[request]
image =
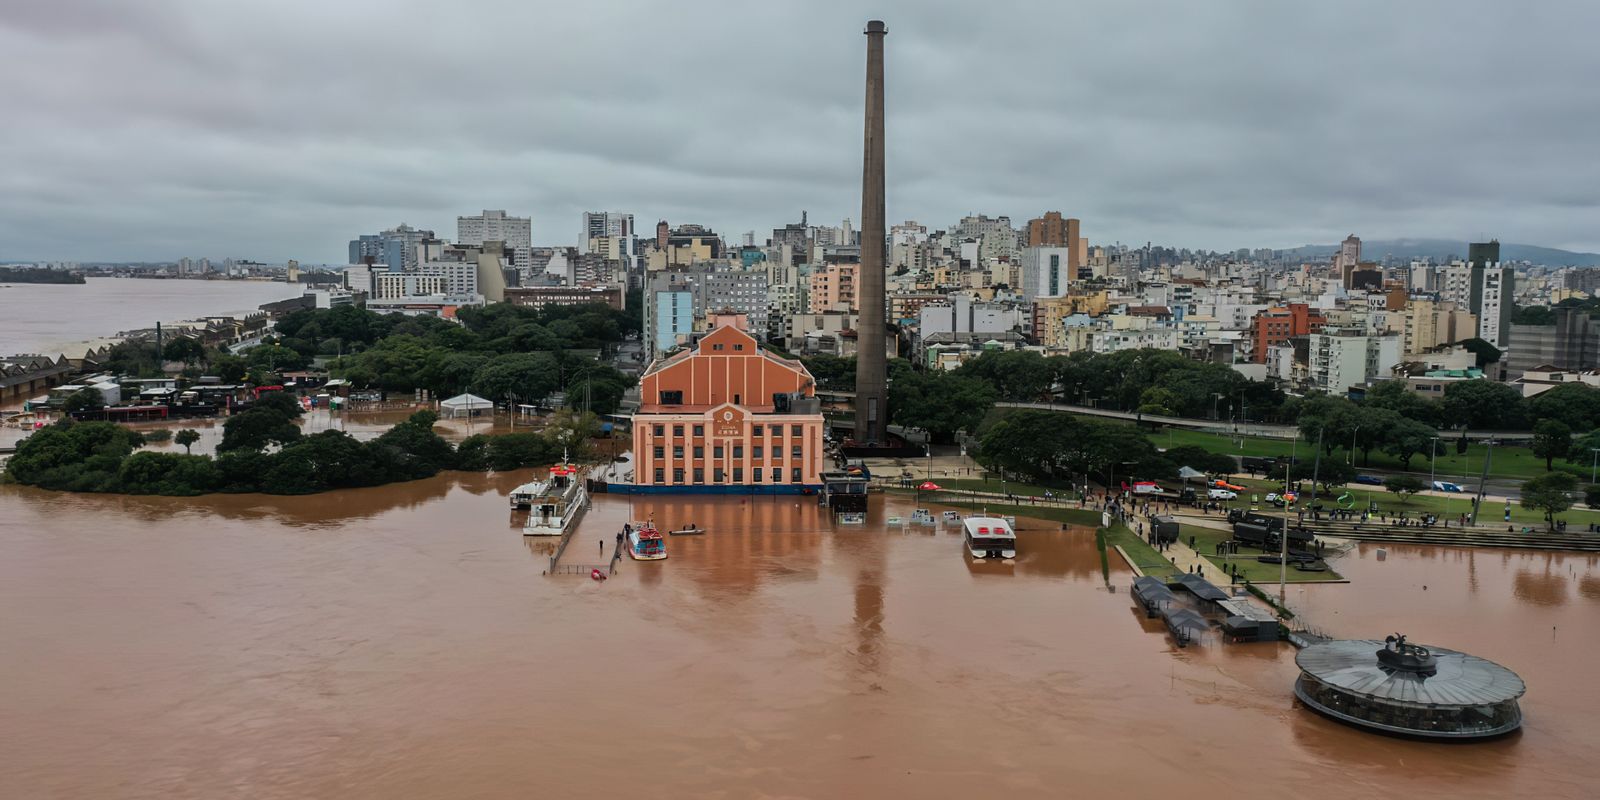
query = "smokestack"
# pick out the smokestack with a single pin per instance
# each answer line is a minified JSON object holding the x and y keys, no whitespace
{"x":872,"y":399}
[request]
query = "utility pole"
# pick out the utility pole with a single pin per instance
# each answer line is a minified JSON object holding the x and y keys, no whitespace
{"x":1488,"y":456}
{"x":1283,"y":535}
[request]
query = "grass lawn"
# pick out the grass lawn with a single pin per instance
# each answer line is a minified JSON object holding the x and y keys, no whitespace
{"x":1445,"y":507}
{"x":1150,"y":561}
{"x":1509,"y":461}
{"x":1205,"y":542}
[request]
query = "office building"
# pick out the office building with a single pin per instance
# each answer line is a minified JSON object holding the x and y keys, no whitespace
{"x":514,"y":233}
{"x":1492,"y":290}
{"x":1571,"y":343}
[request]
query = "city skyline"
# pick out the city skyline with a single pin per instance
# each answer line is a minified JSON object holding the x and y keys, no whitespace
{"x":274,"y":134}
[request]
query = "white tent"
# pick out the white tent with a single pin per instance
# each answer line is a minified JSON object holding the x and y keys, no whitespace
{"x":465,"y":405}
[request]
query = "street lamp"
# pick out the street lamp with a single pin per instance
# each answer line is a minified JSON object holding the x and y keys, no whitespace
{"x":1216,"y":397}
{"x":1596,"y":451}
{"x":1350,"y":458}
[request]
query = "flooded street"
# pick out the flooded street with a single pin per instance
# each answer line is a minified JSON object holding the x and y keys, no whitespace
{"x":401,"y":641}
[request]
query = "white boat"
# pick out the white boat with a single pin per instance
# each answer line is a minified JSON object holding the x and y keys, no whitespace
{"x":852,"y":518}
{"x":645,"y":543}
{"x":555,"y":504}
{"x":952,"y":516}
{"x":989,"y":537}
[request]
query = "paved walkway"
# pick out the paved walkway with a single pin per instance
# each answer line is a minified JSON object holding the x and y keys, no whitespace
{"x":1185,"y":559}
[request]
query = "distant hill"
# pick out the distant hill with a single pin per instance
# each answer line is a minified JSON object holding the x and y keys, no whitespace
{"x":1445,"y":249}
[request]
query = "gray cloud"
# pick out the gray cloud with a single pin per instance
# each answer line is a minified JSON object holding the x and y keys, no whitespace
{"x":279,"y":130}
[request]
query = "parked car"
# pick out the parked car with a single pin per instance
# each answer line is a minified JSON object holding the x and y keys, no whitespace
{"x":1446,"y":486}
{"x":1222,"y":494}
{"x":1370,"y":480}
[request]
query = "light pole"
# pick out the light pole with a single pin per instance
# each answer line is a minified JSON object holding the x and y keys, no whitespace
{"x":1283,"y":536}
{"x":1596,"y":451}
{"x":1351,"y":456}
{"x":1216,"y":397}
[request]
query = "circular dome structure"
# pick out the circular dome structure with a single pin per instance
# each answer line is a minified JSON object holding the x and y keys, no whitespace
{"x":1410,"y":690}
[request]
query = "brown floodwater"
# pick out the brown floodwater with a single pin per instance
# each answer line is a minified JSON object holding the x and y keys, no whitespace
{"x":402,"y":642}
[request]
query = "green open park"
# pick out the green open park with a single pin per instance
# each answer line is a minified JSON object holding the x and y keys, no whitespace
{"x":1508,"y":462}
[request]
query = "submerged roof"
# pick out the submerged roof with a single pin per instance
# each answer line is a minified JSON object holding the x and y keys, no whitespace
{"x":1459,"y":679}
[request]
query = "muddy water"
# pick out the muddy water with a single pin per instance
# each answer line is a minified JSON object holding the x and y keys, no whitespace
{"x":401,"y":642}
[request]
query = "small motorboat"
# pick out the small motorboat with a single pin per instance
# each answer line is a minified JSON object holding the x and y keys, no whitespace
{"x":693,"y":530}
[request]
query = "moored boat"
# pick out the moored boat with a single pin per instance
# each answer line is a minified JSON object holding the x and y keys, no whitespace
{"x":692,"y":530}
{"x":645,"y":543}
{"x":556,"y":503}
{"x":989,"y":537}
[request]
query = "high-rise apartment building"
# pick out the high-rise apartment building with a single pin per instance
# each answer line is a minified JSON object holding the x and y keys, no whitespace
{"x":1275,"y":326}
{"x":1492,"y":292}
{"x":1046,"y":272}
{"x":834,"y":288}
{"x":1342,"y":357}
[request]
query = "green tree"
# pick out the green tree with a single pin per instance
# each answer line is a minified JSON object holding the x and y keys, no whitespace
{"x":1575,"y":404}
{"x":73,"y":456}
{"x":1485,"y":405}
{"x":86,"y":399}
{"x":939,"y":402}
{"x":1037,"y":445}
{"x":186,"y":438}
{"x":166,"y":474}
{"x":1533,"y":315}
{"x":1017,"y":375}
{"x":1396,"y":396}
{"x":230,"y":369}
{"x":275,"y":358}
{"x":1551,"y":438}
{"x":832,"y":372}
{"x":1591,"y":495}
{"x":1487,"y":353}
{"x":270,"y":420}
{"x":1404,"y":485}
{"x":1330,"y":473}
{"x":529,"y":377}
{"x":1405,"y":438}
{"x":184,"y":349}
{"x":1550,"y":493}
{"x":413,"y":449}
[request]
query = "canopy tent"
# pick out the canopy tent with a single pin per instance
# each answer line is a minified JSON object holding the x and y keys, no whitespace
{"x":1189,"y":473}
{"x":465,"y":405}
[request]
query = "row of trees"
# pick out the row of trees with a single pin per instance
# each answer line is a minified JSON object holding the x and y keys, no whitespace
{"x":503,"y":352}
{"x":1151,"y":381}
{"x":1056,"y":449}
{"x":259,"y":454}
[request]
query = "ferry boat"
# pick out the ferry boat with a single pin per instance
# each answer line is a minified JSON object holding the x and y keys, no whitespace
{"x":556,"y":503}
{"x":645,"y":543}
{"x":990,"y":537}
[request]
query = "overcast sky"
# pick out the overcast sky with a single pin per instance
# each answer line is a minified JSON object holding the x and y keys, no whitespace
{"x":275,"y":130}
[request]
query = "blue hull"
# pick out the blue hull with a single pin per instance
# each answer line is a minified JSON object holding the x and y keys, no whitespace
{"x":778,"y":489}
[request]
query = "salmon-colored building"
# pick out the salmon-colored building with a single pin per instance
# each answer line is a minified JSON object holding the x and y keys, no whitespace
{"x":727,"y":416}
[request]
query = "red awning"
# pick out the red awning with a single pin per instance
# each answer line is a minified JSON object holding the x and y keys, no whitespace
{"x":929,"y":486}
